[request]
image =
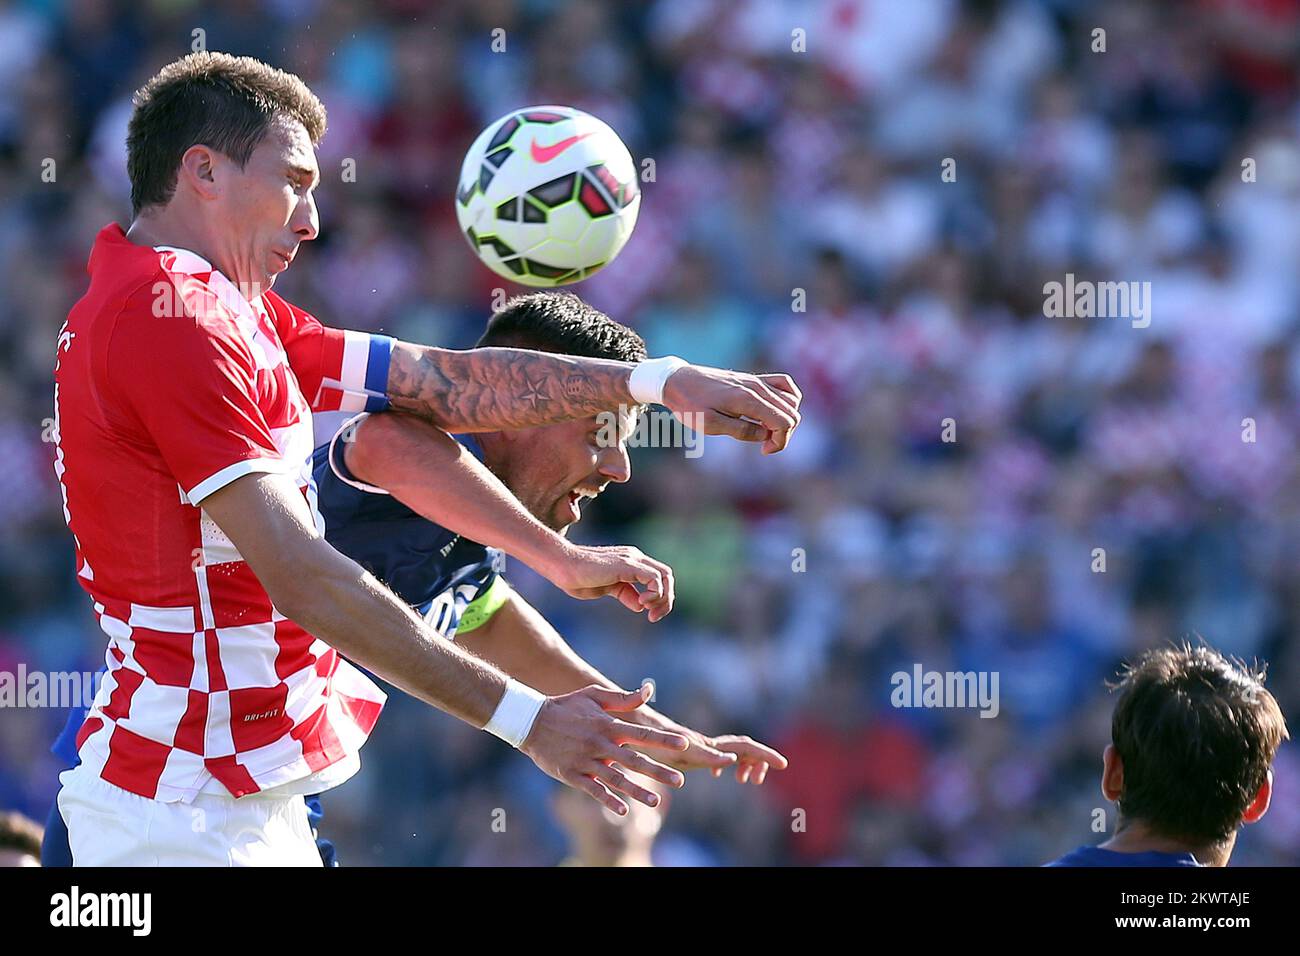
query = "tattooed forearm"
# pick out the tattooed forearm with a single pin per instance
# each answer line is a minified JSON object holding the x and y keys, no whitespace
{"x":491,"y":388}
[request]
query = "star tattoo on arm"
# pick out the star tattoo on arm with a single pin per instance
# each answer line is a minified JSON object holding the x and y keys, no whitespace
{"x":489,"y":389}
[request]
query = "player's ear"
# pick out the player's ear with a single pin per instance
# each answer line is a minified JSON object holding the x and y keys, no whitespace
{"x":1112,"y":774}
{"x":1259,"y":806}
{"x":198,"y":171}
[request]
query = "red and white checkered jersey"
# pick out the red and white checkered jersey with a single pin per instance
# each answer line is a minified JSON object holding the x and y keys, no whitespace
{"x":168,"y":386}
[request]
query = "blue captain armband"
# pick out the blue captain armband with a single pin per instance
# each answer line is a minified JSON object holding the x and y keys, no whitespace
{"x":363,"y":379}
{"x":377,"y":364}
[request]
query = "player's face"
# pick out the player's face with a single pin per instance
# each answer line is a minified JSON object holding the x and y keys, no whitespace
{"x":267,"y":208}
{"x":554,"y":470}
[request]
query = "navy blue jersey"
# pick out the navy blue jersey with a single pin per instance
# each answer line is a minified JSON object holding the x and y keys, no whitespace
{"x":1096,"y":856}
{"x":432,"y":569}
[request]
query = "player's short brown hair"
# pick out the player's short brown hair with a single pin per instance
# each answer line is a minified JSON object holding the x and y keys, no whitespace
{"x":1197,"y":733}
{"x":222,"y":101}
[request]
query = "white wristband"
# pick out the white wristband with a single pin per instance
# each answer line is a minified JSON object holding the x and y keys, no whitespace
{"x":647,"y":380}
{"x":514,"y":716}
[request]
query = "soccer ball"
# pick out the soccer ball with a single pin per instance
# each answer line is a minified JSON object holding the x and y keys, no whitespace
{"x":547,"y":195}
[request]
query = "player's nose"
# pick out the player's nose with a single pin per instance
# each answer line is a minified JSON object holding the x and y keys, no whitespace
{"x":614,"y":464}
{"x":306,"y":221}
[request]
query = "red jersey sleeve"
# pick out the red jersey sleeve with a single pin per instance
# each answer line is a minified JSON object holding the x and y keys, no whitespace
{"x":191,"y":385}
{"x":337,"y":369}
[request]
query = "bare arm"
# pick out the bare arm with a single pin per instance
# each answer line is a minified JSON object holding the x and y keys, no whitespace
{"x":432,"y":474}
{"x":335,"y":599}
{"x":524,"y":645}
{"x":496,"y":388}
{"x":574,"y":736}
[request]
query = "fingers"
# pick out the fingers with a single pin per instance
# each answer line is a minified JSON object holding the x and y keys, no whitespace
{"x":670,"y":582}
{"x":642,"y":764}
{"x":747,"y":748}
{"x":785,"y":401}
{"x":754,"y":759}
{"x":660,"y":603}
{"x":619,"y":700}
{"x":752,"y":417}
{"x":614,"y":779}
{"x":745,"y":407}
{"x":718,"y":424}
{"x":770,"y":389}
{"x":784,"y":383}
{"x":639,"y":736}
{"x":645,"y":571}
{"x":628,"y":596}
{"x":704,"y":756}
{"x":656,"y":577}
{"x":598,"y":792}
{"x":752,"y":403}
{"x":624,"y":593}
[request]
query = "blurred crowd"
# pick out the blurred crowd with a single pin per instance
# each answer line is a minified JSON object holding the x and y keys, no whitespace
{"x":870,"y":195}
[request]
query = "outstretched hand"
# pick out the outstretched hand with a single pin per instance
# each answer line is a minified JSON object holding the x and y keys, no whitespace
{"x":577,"y":740}
{"x":750,"y":759}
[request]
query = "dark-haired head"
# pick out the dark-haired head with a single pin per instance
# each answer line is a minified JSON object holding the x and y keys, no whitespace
{"x":1196,"y":733}
{"x":555,"y":469}
{"x":20,"y":841}
{"x":561,"y":322}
